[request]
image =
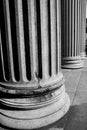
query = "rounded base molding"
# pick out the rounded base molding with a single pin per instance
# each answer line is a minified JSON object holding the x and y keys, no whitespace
{"x":72,"y":62}
{"x":36,"y":118}
{"x":42,"y":108}
{"x":83,"y":55}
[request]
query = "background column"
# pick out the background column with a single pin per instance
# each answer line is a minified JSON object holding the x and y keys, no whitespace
{"x":71,"y":34}
{"x":32,"y":91}
{"x":83,"y":28}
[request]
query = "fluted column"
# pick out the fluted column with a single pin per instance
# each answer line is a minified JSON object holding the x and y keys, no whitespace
{"x":32,"y":91}
{"x":71,"y":34}
{"x":83,"y":28}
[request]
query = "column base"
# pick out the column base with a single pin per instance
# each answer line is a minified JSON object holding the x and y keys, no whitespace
{"x":32,"y":119}
{"x":72,"y":62}
{"x":35,"y":112}
{"x":83,"y":55}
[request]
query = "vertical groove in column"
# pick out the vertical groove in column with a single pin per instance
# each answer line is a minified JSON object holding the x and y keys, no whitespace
{"x":77,"y":28}
{"x":8,"y":39}
{"x":63,"y":26}
{"x":78,"y":43}
{"x":70,"y":27}
{"x":26,"y":38}
{"x":4,"y":54}
{"x":14,"y":38}
{"x":73,"y":16}
{"x":53,"y":35}
{"x":83,"y":25}
{"x":2,"y":60}
{"x":67,"y":32}
{"x":39,"y":39}
{"x":44,"y":38}
{"x":33,"y":37}
{"x":49,"y":37}
{"x":76,"y":32}
{"x":20,"y":39}
{"x":58,"y":8}
{"x":80,"y":22}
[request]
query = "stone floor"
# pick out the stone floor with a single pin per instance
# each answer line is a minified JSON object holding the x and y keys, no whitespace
{"x":76,"y":87}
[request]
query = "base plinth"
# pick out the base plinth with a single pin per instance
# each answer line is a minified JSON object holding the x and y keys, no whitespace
{"x":39,"y":115}
{"x":72,"y":63}
{"x":83,"y":56}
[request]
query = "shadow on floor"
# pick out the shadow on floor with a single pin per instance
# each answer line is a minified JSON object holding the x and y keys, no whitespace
{"x":77,"y":118}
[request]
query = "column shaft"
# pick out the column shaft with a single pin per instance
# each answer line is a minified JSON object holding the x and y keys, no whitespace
{"x":72,"y":26}
{"x":32,"y":85}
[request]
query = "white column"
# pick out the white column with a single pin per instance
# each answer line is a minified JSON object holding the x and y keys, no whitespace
{"x":36,"y":97}
{"x":71,"y":36}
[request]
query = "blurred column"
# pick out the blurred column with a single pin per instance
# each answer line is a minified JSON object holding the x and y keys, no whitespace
{"x":71,"y":34}
{"x":83,"y":28}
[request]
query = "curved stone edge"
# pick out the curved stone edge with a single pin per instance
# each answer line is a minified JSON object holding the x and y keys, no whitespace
{"x":29,"y":87}
{"x":83,"y":55}
{"x":56,"y":110}
{"x":72,"y":63}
